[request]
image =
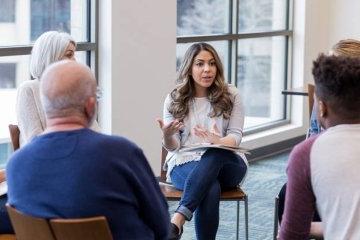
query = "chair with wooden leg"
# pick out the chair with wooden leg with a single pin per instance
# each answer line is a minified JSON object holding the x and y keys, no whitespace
{"x":33,"y":228}
{"x":14,"y":136}
{"x":7,"y":237}
{"x":236,"y":194}
{"x":28,"y":227}
{"x":93,"y":228}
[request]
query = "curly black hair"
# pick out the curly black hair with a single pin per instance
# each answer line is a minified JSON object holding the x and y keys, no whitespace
{"x":337,"y":82}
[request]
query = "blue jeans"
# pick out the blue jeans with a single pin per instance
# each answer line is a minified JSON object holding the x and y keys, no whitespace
{"x":202,"y":182}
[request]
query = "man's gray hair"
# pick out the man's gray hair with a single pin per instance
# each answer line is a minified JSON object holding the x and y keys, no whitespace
{"x":47,"y":49}
{"x":70,"y":100}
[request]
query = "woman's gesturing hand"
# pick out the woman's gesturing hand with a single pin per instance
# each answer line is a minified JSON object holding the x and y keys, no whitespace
{"x":171,"y":128}
{"x":212,"y":136}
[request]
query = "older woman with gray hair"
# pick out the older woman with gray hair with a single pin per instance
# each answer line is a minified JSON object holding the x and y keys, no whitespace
{"x":50,"y":47}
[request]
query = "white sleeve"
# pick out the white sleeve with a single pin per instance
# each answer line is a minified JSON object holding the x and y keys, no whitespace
{"x":168,"y":117}
{"x":236,"y":121}
{"x":27,"y":114}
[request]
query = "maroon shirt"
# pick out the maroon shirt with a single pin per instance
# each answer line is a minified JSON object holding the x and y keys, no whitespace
{"x":300,"y":198}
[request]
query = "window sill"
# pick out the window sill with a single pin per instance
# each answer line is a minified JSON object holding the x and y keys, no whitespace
{"x":274,"y":135}
{"x":4,"y":140}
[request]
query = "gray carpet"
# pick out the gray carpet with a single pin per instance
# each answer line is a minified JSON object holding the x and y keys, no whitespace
{"x":263,"y":182}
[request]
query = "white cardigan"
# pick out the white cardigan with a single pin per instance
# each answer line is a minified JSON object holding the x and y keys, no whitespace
{"x":29,"y":112}
{"x":233,"y":126}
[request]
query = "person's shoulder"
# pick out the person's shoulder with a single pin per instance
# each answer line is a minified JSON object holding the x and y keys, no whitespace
{"x":29,"y":84}
{"x":16,"y":158}
{"x":303,"y":148}
{"x":115,"y":141}
{"x":168,"y":99}
{"x":125,"y":141}
{"x":120,"y":147}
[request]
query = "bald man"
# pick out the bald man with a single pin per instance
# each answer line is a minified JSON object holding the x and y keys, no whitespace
{"x":71,"y":171}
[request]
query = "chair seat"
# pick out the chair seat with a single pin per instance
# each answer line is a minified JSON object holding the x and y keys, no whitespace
{"x":172,"y":194}
{"x":75,"y":229}
{"x":35,"y":228}
{"x":7,"y":237}
{"x":233,"y":194}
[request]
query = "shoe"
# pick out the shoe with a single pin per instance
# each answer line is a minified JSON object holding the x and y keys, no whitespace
{"x":175,"y":232}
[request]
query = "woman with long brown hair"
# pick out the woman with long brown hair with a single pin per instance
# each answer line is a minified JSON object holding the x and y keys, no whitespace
{"x":202,"y":108}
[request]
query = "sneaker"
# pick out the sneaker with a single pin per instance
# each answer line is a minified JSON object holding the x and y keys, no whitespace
{"x":175,"y":232}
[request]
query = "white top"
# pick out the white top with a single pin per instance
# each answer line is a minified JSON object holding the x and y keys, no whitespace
{"x":29,"y":111}
{"x":335,"y":179}
{"x":199,"y":115}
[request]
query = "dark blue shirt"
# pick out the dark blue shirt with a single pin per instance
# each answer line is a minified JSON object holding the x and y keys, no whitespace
{"x":82,"y":173}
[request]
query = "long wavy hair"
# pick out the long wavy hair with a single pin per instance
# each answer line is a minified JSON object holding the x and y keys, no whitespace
{"x":218,"y":93}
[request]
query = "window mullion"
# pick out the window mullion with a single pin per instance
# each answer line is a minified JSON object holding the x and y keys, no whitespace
{"x":233,"y":43}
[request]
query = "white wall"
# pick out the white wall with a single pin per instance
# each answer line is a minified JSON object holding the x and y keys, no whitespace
{"x":316,"y":33}
{"x":137,"y":69}
{"x":137,"y":64}
{"x":327,"y":22}
{"x":344,"y":20}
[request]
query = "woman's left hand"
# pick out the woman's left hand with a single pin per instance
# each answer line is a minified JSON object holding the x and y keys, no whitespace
{"x":212,"y":136}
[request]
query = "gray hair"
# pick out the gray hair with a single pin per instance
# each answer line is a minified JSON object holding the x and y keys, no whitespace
{"x":71,"y":99}
{"x":47,"y":49}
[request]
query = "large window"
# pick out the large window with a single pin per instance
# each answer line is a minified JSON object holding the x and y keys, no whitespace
{"x":21,"y":23}
{"x":7,"y":11}
{"x":252,"y":39}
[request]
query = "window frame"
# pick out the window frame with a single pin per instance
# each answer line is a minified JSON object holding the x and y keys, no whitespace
{"x":233,"y":38}
{"x":90,"y":47}
{"x":13,"y":17}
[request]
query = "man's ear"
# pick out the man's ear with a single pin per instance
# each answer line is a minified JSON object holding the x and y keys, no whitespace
{"x":90,"y":107}
{"x":322,"y":109}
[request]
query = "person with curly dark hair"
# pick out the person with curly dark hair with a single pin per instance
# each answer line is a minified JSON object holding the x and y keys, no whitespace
{"x":345,"y":47}
{"x":202,"y":108}
{"x":348,"y":48}
{"x":323,"y":170}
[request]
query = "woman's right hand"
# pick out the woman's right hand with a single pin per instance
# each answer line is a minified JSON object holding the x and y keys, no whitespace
{"x":171,"y":128}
